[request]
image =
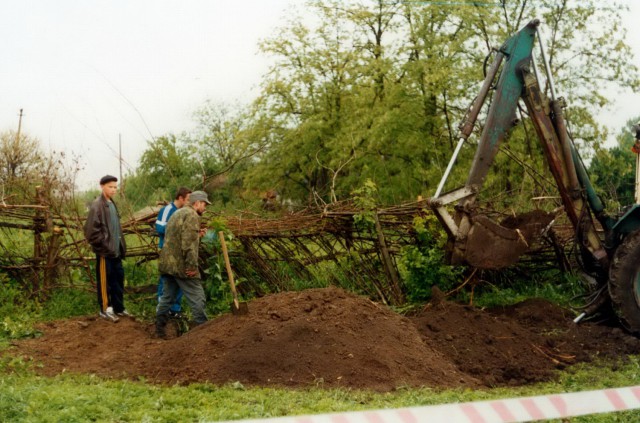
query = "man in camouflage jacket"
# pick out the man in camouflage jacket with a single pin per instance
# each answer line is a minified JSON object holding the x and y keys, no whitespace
{"x":179,"y":262}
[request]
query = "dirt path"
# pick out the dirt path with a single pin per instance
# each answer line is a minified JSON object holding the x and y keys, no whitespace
{"x":331,"y":338}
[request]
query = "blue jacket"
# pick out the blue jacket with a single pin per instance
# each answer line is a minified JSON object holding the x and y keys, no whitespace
{"x":163,"y":217}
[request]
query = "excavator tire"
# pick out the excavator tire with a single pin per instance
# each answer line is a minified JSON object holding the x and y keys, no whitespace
{"x":624,"y":282}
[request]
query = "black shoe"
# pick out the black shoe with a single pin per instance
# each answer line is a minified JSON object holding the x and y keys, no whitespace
{"x":161,"y":326}
{"x":175,"y":314}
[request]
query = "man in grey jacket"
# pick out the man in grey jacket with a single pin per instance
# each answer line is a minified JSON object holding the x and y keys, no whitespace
{"x":179,"y":262}
{"x":104,"y":233}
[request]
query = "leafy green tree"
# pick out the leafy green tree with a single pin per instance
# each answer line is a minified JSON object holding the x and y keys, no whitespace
{"x":613,"y":170}
{"x":24,"y":166}
{"x":226,"y":142}
{"x":587,"y":55}
{"x":345,"y":116}
{"x":164,"y":166}
{"x":219,"y":141}
{"x":375,"y":90}
{"x":304,"y":94}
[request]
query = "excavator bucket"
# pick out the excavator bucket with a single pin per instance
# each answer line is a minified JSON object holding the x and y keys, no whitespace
{"x":489,"y":245}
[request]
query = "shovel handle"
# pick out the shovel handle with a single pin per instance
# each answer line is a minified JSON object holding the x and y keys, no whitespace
{"x":227,"y":264}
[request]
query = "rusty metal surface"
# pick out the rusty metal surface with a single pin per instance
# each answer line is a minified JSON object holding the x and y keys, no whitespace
{"x":576,"y":208}
{"x":490,"y":245}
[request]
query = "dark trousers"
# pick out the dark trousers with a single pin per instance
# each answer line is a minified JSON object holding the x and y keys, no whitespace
{"x":193,"y":291}
{"x":110,"y":283}
{"x":176,"y":307}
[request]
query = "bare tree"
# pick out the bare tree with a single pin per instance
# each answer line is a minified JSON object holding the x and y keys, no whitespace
{"x":20,"y":155}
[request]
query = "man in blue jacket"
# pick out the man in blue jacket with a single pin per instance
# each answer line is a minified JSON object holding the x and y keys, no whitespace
{"x":181,"y":198}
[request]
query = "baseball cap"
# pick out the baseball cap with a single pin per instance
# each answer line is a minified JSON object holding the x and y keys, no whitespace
{"x":199,"y":196}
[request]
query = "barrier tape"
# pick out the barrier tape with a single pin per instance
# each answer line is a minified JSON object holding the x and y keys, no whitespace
{"x":496,"y":411}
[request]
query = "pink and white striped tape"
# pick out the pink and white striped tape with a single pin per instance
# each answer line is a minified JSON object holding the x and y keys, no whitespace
{"x":495,"y":411}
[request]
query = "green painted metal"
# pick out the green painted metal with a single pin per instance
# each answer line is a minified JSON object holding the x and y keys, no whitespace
{"x":594,"y":201}
{"x":517,"y":51}
{"x":629,"y":222}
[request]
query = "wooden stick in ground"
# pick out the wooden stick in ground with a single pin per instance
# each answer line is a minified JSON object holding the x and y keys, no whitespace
{"x":227,"y":263}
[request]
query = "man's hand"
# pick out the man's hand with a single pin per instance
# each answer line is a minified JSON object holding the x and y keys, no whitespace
{"x":191,"y":273}
{"x":202,"y":232}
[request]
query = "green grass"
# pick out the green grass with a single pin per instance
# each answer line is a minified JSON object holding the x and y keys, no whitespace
{"x":65,"y":303}
{"x":553,"y":287}
{"x":25,"y":396}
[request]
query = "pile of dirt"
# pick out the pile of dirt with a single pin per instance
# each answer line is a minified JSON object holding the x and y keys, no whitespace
{"x":495,"y":350}
{"x":323,"y":337}
{"x":519,"y":344}
{"x":585,"y":342}
{"x":331,"y":338}
{"x":91,"y":345}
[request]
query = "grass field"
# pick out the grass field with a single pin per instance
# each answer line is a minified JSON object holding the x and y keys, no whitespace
{"x":26,"y":396}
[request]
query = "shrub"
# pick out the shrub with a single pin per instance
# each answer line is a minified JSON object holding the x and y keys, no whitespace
{"x":422,"y":264}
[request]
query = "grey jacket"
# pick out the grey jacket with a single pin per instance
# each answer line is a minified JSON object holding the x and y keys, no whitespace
{"x":98,"y":232}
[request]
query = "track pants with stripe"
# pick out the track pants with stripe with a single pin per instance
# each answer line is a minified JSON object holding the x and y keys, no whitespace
{"x":110,"y":277}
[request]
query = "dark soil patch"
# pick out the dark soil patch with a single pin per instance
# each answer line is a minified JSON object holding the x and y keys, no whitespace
{"x":519,"y":344}
{"x":586,"y":341}
{"x":331,"y":338}
{"x":493,"y":349}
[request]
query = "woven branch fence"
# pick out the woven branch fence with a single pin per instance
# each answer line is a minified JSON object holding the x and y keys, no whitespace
{"x":335,"y":245}
{"x":339,"y":244}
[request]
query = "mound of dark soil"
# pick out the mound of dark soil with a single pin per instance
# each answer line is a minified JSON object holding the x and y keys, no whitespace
{"x":493,"y":349}
{"x":584,"y":342}
{"x":328,"y":337}
{"x":316,"y":337}
{"x":519,"y":344}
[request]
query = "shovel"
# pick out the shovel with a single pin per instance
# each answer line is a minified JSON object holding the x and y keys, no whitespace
{"x":237,"y":307}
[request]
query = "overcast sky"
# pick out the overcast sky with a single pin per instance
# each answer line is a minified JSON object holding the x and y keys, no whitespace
{"x":86,"y":71}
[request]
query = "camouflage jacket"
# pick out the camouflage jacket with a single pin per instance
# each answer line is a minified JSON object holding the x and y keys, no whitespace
{"x":181,"y":242}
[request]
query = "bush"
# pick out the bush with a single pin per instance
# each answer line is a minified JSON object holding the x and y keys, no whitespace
{"x":17,"y":314}
{"x":422,"y":264}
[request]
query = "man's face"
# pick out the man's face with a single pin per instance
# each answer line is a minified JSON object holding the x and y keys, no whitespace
{"x":200,"y":207}
{"x":109,"y":189}
{"x":181,"y":201}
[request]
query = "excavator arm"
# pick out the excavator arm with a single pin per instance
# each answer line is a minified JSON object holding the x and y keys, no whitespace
{"x":469,"y":231}
{"x":476,"y":240}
